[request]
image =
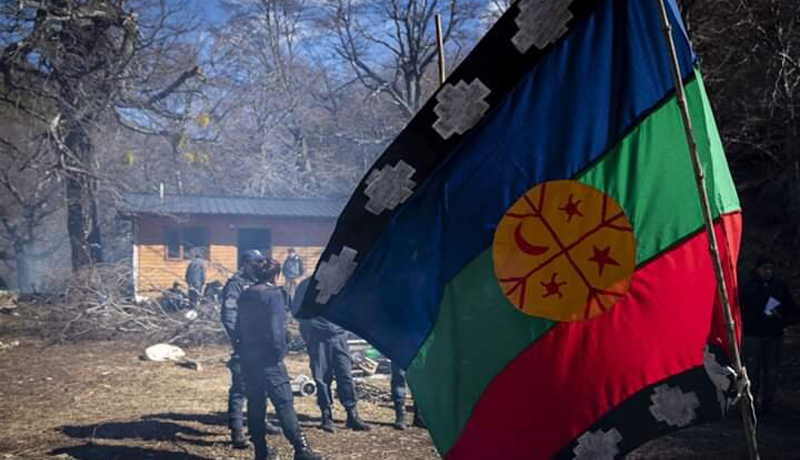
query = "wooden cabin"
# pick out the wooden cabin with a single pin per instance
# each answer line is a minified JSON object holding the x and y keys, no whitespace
{"x":168,"y":230}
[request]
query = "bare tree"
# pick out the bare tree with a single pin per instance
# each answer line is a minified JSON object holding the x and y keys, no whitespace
{"x":30,"y":191}
{"x":495,"y":9}
{"x":280,"y":134}
{"x":71,"y":66}
{"x":750,"y":52}
{"x":751,"y":63}
{"x":390,"y":45}
{"x":306,"y":87}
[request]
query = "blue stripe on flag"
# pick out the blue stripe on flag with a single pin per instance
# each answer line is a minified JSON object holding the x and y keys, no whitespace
{"x":583,"y":97}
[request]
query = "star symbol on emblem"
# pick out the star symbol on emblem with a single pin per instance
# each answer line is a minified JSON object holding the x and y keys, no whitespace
{"x":571,"y":208}
{"x":602,"y":258}
{"x":553,"y":287}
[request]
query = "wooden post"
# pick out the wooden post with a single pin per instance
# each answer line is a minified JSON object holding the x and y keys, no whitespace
{"x":440,"y":47}
{"x":746,"y":404}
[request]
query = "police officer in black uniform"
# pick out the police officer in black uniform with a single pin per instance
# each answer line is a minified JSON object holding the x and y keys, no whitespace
{"x":398,"y":389}
{"x":250,"y":261}
{"x":329,"y":356}
{"x":261,"y":331}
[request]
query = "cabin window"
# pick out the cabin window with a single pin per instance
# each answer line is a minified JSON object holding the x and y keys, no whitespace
{"x":183,"y":243}
{"x":195,"y":239}
{"x":174,"y":244}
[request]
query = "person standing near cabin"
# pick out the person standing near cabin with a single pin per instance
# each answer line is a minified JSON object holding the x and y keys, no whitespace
{"x":292,"y":271}
{"x":261,"y":332}
{"x":329,"y":356}
{"x":767,"y":308}
{"x":195,"y":277}
{"x":241,"y":280}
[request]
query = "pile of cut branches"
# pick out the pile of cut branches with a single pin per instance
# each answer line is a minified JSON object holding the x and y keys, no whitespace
{"x":97,"y":302}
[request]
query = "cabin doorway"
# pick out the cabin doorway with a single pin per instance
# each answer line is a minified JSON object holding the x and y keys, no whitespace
{"x":253,"y":238}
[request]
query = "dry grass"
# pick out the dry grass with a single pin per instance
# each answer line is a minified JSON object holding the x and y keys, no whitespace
{"x":99,"y":401}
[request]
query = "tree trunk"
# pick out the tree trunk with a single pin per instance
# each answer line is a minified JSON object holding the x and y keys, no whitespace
{"x":82,"y":222}
{"x":24,"y":282}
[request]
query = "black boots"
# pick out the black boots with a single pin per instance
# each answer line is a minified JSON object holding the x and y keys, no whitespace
{"x":238,"y":439}
{"x":418,"y":421}
{"x":327,"y":421}
{"x":354,"y":422}
{"x":399,"y":415}
{"x":262,"y":451}
{"x":269,"y":428}
{"x":302,"y":451}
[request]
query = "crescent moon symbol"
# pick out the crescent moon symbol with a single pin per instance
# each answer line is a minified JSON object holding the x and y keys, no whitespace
{"x":525,"y":246}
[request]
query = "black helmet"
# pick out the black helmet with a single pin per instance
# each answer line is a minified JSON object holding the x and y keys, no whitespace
{"x":252,"y":255}
{"x":268,"y":269}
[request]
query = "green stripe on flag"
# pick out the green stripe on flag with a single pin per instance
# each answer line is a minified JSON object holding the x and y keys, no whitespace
{"x":478,"y":331}
{"x":657,"y":190}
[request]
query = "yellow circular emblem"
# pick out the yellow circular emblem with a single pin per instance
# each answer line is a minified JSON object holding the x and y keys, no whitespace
{"x":564,"y":251}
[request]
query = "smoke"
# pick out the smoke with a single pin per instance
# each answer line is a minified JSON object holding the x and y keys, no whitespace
{"x":36,"y":267}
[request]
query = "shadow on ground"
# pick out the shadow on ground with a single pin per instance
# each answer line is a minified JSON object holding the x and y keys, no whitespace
{"x":220,"y":418}
{"x":100,"y":452}
{"x":145,"y":430}
{"x":211,"y":419}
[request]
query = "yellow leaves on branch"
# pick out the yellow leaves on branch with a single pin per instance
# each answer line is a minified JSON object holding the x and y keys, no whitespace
{"x":203,"y":120}
{"x":197,"y":157}
{"x":129,"y":158}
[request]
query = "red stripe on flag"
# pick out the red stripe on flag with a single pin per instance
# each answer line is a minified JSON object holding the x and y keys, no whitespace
{"x":729,"y":230}
{"x":563,"y":383}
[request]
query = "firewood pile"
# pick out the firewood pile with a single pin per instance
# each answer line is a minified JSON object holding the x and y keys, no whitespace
{"x":98,"y":303}
{"x":367,"y":391}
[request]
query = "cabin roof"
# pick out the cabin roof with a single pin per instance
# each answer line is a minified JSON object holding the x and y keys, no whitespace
{"x":142,"y":203}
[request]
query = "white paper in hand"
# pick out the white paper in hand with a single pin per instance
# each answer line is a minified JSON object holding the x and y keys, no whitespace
{"x":772,"y":304}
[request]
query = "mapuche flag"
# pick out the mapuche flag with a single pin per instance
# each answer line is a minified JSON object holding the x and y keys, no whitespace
{"x":531,"y":246}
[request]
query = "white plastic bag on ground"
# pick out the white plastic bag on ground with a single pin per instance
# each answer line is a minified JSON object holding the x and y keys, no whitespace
{"x":164,"y":352}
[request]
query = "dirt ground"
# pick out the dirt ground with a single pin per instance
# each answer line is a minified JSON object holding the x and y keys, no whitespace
{"x":100,"y":401}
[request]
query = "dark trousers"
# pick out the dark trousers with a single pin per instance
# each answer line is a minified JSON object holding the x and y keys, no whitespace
{"x":291,"y":286}
{"x":260,"y":381}
{"x":762,"y":355}
{"x":236,"y":394}
{"x":398,"y":385}
{"x":194,"y":295}
{"x":329,"y":358}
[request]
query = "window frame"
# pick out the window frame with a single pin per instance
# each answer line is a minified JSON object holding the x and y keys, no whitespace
{"x":182,"y":252}
{"x":170,"y":232}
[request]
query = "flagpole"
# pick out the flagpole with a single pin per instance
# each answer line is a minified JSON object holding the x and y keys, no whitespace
{"x":440,"y":48}
{"x":746,"y":404}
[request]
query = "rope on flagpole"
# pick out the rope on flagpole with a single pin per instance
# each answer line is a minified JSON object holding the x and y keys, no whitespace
{"x":746,"y":403}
